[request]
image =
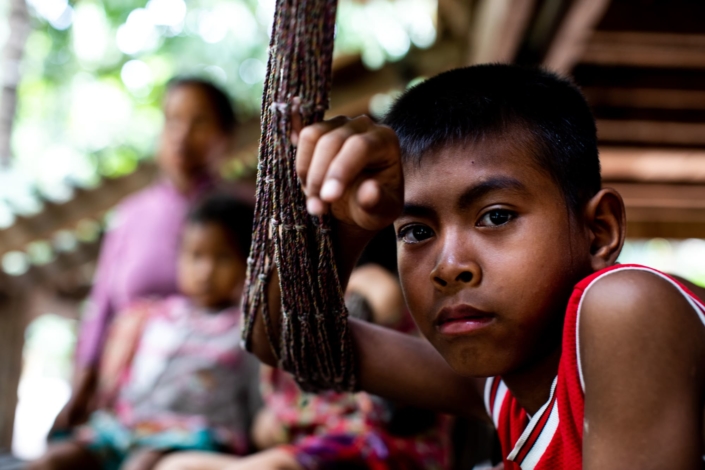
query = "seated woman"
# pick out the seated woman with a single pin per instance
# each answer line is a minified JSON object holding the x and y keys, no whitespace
{"x":139,"y":252}
{"x":303,"y":431}
{"x":174,"y":376}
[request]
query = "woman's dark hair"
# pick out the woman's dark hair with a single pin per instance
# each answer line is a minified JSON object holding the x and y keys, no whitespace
{"x":233,"y":215}
{"x":508,"y":102}
{"x":219,"y":99}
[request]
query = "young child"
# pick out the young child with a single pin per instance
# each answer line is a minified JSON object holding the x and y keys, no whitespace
{"x":329,"y":431}
{"x":507,"y":256}
{"x":174,"y":376}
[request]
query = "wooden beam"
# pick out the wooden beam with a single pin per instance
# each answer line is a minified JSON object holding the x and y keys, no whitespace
{"x":663,"y":210}
{"x":645,"y":98}
{"x":353,"y":99}
{"x":455,"y":16}
{"x":573,"y":35}
{"x":663,"y":202}
{"x":497,"y":30}
{"x":651,"y":132}
{"x":678,"y":230}
{"x":13,"y":321}
{"x":88,"y":203}
{"x":639,"y":49}
{"x":649,"y":165}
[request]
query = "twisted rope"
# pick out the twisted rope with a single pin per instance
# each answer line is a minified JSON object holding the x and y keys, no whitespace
{"x":315,"y":343}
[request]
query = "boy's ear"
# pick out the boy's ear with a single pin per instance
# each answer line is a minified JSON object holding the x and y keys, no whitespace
{"x":606,"y":223}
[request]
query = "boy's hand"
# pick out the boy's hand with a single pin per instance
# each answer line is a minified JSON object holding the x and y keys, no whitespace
{"x":352,"y":168}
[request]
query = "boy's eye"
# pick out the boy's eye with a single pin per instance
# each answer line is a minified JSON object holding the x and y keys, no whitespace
{"x":414,"y":233}
{"x":495,"y":218}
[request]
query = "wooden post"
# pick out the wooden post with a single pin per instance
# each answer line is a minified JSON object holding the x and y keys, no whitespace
{"x":11,"y":58}
{"x":572,"y":38}
{"x":13,"y":322}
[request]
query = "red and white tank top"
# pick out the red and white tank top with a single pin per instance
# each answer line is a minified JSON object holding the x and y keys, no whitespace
{"x":553,"y":437}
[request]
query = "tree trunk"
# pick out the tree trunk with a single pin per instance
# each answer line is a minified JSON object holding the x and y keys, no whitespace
{"x":10,"y":66}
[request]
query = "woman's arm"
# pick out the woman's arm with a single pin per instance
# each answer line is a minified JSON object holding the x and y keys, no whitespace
{"x":100,"y":309}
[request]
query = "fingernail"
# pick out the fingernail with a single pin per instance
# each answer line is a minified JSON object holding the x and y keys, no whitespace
{"x":332,"y":189}
{"x":314,"y":206}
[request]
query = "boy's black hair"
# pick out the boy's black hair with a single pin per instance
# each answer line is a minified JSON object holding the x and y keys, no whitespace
{"x":233,"y":215}
{"x":219,"y":99}
{"x":468,"y":104}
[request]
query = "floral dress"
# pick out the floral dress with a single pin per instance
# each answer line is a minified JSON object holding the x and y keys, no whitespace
{"x":355,"y":431}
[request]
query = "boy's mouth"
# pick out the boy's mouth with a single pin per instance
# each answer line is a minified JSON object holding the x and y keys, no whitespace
{"x":461,"y":319}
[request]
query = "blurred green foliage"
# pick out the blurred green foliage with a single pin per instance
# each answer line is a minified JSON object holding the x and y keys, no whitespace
{"x":94,"y":72}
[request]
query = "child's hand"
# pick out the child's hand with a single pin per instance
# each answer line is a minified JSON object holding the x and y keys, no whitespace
{"x":351,"y":167}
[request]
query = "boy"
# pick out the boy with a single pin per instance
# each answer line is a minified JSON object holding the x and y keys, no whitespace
{"x":491,"y":176}
{"x":174,"y":376}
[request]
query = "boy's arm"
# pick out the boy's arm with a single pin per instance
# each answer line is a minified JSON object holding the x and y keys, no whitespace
{"x":642,"y":348}
{"x":351,"y":168}
{"x":409,"y":370}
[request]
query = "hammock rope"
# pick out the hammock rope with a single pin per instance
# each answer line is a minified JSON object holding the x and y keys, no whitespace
{"x":314,"y":343}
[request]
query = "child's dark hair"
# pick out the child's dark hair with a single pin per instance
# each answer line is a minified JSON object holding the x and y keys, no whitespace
{"x":233,"y":215}
{"x":219,"y":99}
{"x":486,"y":101}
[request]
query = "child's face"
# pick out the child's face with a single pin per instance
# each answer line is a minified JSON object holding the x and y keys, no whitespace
{"x":488,"y":256}
{"x":211,"y":271}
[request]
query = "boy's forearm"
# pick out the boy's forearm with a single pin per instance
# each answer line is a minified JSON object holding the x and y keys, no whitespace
{"x":409,"y":370}
{"x":349,"y":243}
{"x":261,"y":346}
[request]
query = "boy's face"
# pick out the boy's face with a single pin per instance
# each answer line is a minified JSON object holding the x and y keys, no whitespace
{"x":488,"y":256}
{"x":210,"y":271}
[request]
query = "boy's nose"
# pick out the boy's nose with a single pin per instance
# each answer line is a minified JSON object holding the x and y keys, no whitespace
{"x":452,"y":273}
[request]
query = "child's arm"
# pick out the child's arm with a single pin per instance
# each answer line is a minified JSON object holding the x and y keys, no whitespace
{"x":642,"y":349}
{"x":80,"y":405}
{"x":352,"y":168}
{"x":409,"y":370}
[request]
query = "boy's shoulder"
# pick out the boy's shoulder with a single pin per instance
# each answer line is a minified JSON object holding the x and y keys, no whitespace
{"x":636,"y":297}
{"x":641,"y":361}
{"x":636,"y":315}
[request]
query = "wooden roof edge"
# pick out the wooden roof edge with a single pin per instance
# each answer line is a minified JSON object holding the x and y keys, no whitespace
{"x":653,"y":165}
{"x":85,"y":203}
{"x":54,"y":273}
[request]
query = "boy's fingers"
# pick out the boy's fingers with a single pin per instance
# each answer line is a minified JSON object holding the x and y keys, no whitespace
{"x":307,"y":140}
{"x":373,"y":207}
{"x":359,"y":152}
{"x":375,"y":198}
{"x":315,"y":206}
{"x":327,"y":150}
{"x":368,"y":194}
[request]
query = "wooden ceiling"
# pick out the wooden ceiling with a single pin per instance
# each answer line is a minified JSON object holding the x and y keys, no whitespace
{"x":643,"y":71}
